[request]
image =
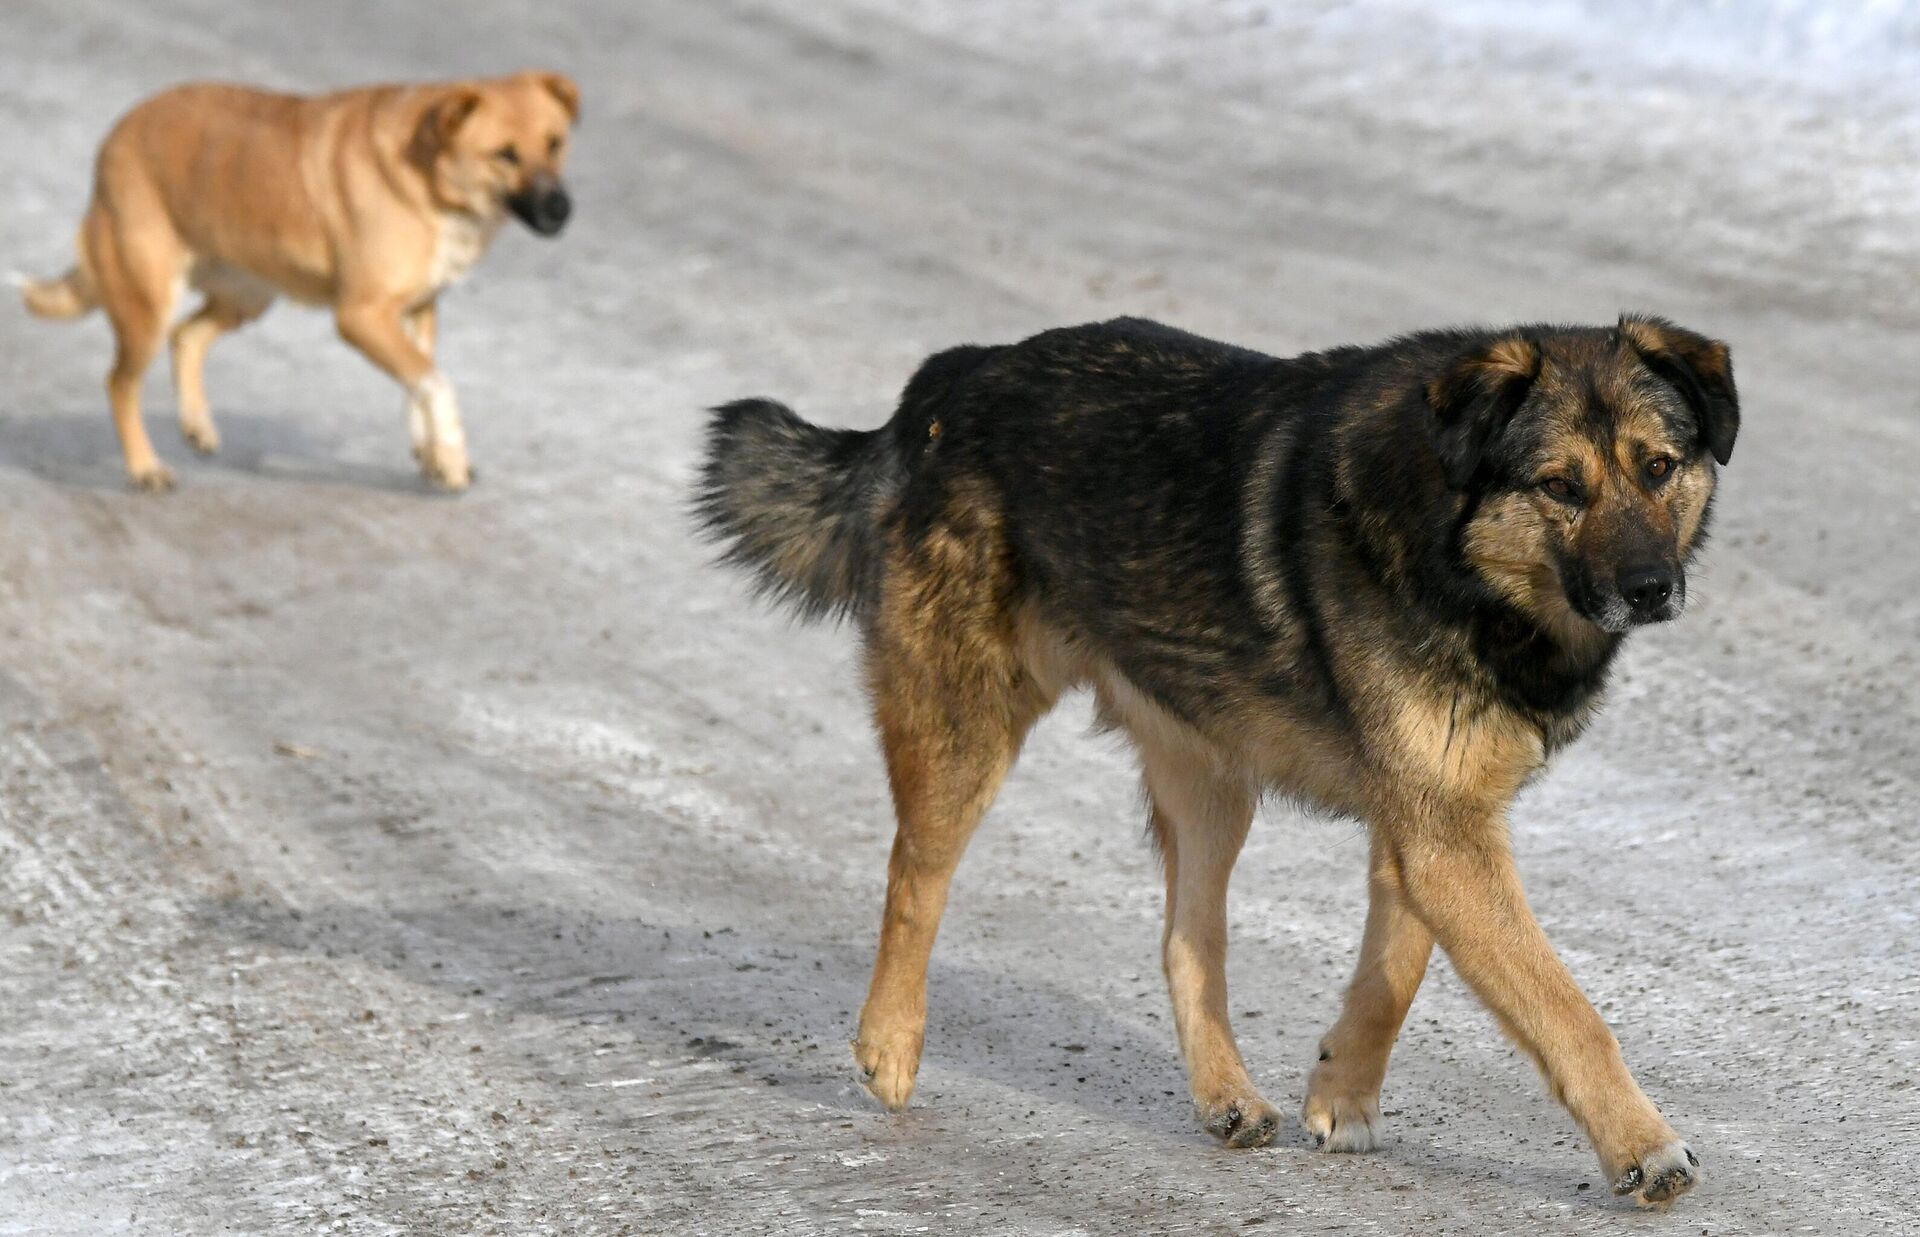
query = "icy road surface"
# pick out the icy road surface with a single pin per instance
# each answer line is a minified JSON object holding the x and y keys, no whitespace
{"x":378,"y":862}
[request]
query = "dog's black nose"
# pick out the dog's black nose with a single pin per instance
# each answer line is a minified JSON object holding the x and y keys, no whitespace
{"x":1647,"y":589}
{"x":555,"y":208}
{"x":543,"y":205}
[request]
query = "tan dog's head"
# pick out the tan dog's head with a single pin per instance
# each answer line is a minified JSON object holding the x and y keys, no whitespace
{"x":1589,"y":456}
{"x":499,"y":145}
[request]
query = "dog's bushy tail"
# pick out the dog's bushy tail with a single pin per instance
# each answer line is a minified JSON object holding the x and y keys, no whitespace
{"x":798,"y":504}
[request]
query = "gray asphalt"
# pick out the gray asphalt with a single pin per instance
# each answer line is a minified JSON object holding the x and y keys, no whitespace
{"x":374,"y":861}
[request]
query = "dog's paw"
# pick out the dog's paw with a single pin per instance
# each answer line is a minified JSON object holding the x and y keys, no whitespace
{"x":1341,"y":1122}
{"x":1241,"y":1121}
{"x":154,"y":478}
{"x":888,"y":1065}
{"x":446,"y":468}
{"x":201,"y":436}
{"x":1661,"y":1176}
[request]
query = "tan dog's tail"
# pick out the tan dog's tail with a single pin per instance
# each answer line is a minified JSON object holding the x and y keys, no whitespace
{"x":70,"y":296}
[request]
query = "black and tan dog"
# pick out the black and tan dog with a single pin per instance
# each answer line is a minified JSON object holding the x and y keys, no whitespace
{"x":1386,"y":581}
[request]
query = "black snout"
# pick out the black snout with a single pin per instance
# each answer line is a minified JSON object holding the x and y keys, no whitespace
{"x":543,"y":205}
{"x":1647,"y":591}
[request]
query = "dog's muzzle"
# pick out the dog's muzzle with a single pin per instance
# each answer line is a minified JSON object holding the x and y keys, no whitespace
{"x":543,"y":205}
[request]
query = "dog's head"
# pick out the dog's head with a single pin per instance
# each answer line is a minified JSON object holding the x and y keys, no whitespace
{"x":1589,"y":457}
{"x":500,"y":145}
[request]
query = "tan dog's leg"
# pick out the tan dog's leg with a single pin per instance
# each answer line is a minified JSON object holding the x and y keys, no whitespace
{"x":1459,"y":878}
{"x":136,"y":268}
{"x":1201,"y":813}
{"x":1343,"y":1095}
{"x":191,"y":339}
{"x":952,"y":708}
{"x":374,"y":327}
{"x":422,"y":326}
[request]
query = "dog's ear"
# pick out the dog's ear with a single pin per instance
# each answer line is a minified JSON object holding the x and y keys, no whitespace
{"x":1701,"y":369}
{"x":562,"y":87}
{"x":443,"y":119}
{"x":1475,"y":398}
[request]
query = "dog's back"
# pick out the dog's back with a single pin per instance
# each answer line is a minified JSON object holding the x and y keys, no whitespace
{"x":1106,"y":464}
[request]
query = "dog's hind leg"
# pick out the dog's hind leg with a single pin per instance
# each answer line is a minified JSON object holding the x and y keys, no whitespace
{"x":225,"y":309}
{"x":952,"y":705}
{"x":1343,"y":1096}
{"x":137,"y":263}
{"x":1201,"y":813}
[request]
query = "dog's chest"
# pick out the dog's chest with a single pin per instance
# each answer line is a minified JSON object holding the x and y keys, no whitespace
{"x":462,"y":241}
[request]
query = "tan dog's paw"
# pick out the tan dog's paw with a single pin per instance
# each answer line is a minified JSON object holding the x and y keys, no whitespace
{"x":1241,"y":1121}
{"x":446,"y":468}
{"x":1660,"y":1176}
{"x":201,"y":436}
{"x":888,"y":1065}
{"x":153,"y":478}
{"x":1341,"y":1122}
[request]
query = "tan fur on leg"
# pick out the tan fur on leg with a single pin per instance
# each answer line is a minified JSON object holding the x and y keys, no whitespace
{"x":952,"y":705}
{"x":1201,"y":812}
{"x":1460,"y":880}
{"x":136,"y":273}
{"x":1343,"y":1096}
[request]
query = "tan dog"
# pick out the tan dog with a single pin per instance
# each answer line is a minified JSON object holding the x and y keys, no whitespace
{"x":370,"y":201}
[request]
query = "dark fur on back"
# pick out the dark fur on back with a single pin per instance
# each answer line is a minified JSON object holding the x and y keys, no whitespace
{"x":1231,"y":530}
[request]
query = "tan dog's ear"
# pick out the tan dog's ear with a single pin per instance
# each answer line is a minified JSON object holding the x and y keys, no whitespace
{"x":443,"y":119}
{"x":562,"y":87}
{"x":1700,"y":368}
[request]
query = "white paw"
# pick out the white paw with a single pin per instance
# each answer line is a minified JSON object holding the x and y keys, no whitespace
{"x":1342,"y":1123}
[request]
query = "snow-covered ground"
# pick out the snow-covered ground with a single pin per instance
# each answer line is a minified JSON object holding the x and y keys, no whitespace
{"x":1791,"y":129}
{"x":375,"y":862}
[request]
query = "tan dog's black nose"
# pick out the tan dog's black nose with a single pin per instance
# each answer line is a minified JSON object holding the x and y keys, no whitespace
{"x":543,"y":205}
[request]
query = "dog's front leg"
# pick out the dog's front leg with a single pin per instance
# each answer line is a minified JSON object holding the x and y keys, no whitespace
{"x":1458,"y":876}
{"x":374,"y":327}
{"x":422,"y":326}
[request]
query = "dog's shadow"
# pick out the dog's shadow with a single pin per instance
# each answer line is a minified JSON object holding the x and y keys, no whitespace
{"x":778,"y":1011}
{"x":781,"y":1008}
{"x":78,"y":449}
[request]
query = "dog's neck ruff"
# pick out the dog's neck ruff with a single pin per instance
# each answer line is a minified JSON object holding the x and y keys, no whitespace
{"x":462,"y":241}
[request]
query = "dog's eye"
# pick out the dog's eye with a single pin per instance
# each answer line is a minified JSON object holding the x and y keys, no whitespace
{"x":1658,"y":467}
{"x":508,"y":155}
{"x":1562,"y":489}
{"x":553,"y":145}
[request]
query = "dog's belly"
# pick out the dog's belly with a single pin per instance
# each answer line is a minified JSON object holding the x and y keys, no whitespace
{"x":233,"y":285}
